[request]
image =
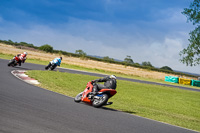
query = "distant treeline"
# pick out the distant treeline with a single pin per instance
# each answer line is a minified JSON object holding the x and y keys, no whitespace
{"x":48,"y":48}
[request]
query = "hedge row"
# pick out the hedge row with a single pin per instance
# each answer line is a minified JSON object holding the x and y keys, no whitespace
{"x":9,"y":42}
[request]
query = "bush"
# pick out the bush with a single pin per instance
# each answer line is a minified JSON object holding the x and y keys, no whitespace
{"x":146,"y":64}
{"x":166,"y":68}
{"x":46,"y":48}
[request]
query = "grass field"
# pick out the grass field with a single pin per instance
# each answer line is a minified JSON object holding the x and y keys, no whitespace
{"x":76,"y":67}
{"x":170,"y":105}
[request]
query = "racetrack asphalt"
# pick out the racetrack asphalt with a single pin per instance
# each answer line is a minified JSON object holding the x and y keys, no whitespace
{"x":25,"y":108}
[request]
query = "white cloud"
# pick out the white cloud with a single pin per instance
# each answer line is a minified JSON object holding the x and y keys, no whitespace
{"x":106,"y":39}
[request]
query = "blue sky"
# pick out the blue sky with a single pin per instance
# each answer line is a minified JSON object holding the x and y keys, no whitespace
{"x":154,"y":31}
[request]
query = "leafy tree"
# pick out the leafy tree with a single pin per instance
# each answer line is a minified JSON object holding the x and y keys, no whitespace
{"x":146,"y":63}
{"x":166,"y":68}
{"x":10,"y":42}
{"x":191,"y":54}
{"x":80,"y":52}
{"x":25,"y":44}
{"x":137,"y":64}
{"x":46,"y":48}
{"x":128,"y":60}
{"x":107,"y":58}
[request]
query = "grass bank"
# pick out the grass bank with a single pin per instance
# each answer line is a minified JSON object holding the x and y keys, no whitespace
{"x":76,"y":67}
{"x":170,"y":105}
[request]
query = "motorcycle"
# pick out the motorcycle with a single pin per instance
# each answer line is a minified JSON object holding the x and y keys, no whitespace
{"x":14,"y":62}
{"x":51,"y":66}
{"x":98,"y":100}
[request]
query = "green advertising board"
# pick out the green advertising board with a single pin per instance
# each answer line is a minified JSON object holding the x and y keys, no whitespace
{"x":171,"y":79}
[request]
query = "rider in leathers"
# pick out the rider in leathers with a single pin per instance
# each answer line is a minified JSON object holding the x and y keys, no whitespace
{"x":56,"y":60}
{"x":22,"y":58}
{"x":110,"y":83}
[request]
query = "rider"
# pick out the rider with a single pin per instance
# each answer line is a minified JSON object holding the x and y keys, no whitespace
{"x":110,"y":83}
{"x":22,"y":58}
{"x":58,"y":60}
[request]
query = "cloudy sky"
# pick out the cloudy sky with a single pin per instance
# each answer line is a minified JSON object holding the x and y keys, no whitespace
{"x":146,"y":30}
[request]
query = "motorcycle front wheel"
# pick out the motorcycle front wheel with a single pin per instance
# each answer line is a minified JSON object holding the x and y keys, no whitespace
{"x":11,"y":62}
{"x":100,"y":100}
{"x":78,"y":97}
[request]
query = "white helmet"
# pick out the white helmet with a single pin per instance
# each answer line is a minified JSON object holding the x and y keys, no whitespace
{"x":25,"y":53}
{"x":113,"y":76}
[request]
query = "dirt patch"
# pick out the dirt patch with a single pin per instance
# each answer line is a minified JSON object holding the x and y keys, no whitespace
{"x":36,"y":54}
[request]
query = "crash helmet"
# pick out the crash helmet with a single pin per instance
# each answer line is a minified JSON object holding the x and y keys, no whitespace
{"x":113,"y":77}
{"x":61,"y":58}
{"x":25,"y":53}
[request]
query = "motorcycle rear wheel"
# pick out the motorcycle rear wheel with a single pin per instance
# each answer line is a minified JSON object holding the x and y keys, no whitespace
{"x":78,"y":97}
{"x":101,"y":101}
{"x":53,"y":67}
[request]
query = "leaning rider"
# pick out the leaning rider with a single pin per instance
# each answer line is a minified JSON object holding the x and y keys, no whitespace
{"x":22,"y":58}
{"x":110,"y":82}
{"x":58,"y":60}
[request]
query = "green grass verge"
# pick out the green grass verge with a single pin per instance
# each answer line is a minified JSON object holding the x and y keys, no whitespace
{"x":38,"y":61}
{"x":166,"y":104}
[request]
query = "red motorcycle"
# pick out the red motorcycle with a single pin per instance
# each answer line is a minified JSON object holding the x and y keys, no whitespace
{"x":13,"y":62}
{"x":99,"y":100}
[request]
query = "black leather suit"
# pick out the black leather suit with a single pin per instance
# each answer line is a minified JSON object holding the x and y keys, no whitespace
{"x":110,"y":83}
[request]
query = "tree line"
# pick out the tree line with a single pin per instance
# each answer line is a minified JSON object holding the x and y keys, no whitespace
{"x":128,"y":61}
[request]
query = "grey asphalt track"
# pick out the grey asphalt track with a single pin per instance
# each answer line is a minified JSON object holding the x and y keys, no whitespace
{"x":25,"y":108}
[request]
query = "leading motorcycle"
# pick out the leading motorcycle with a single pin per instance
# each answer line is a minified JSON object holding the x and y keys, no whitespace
{"x":98,"y":100}
{"x":14,"y":62}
